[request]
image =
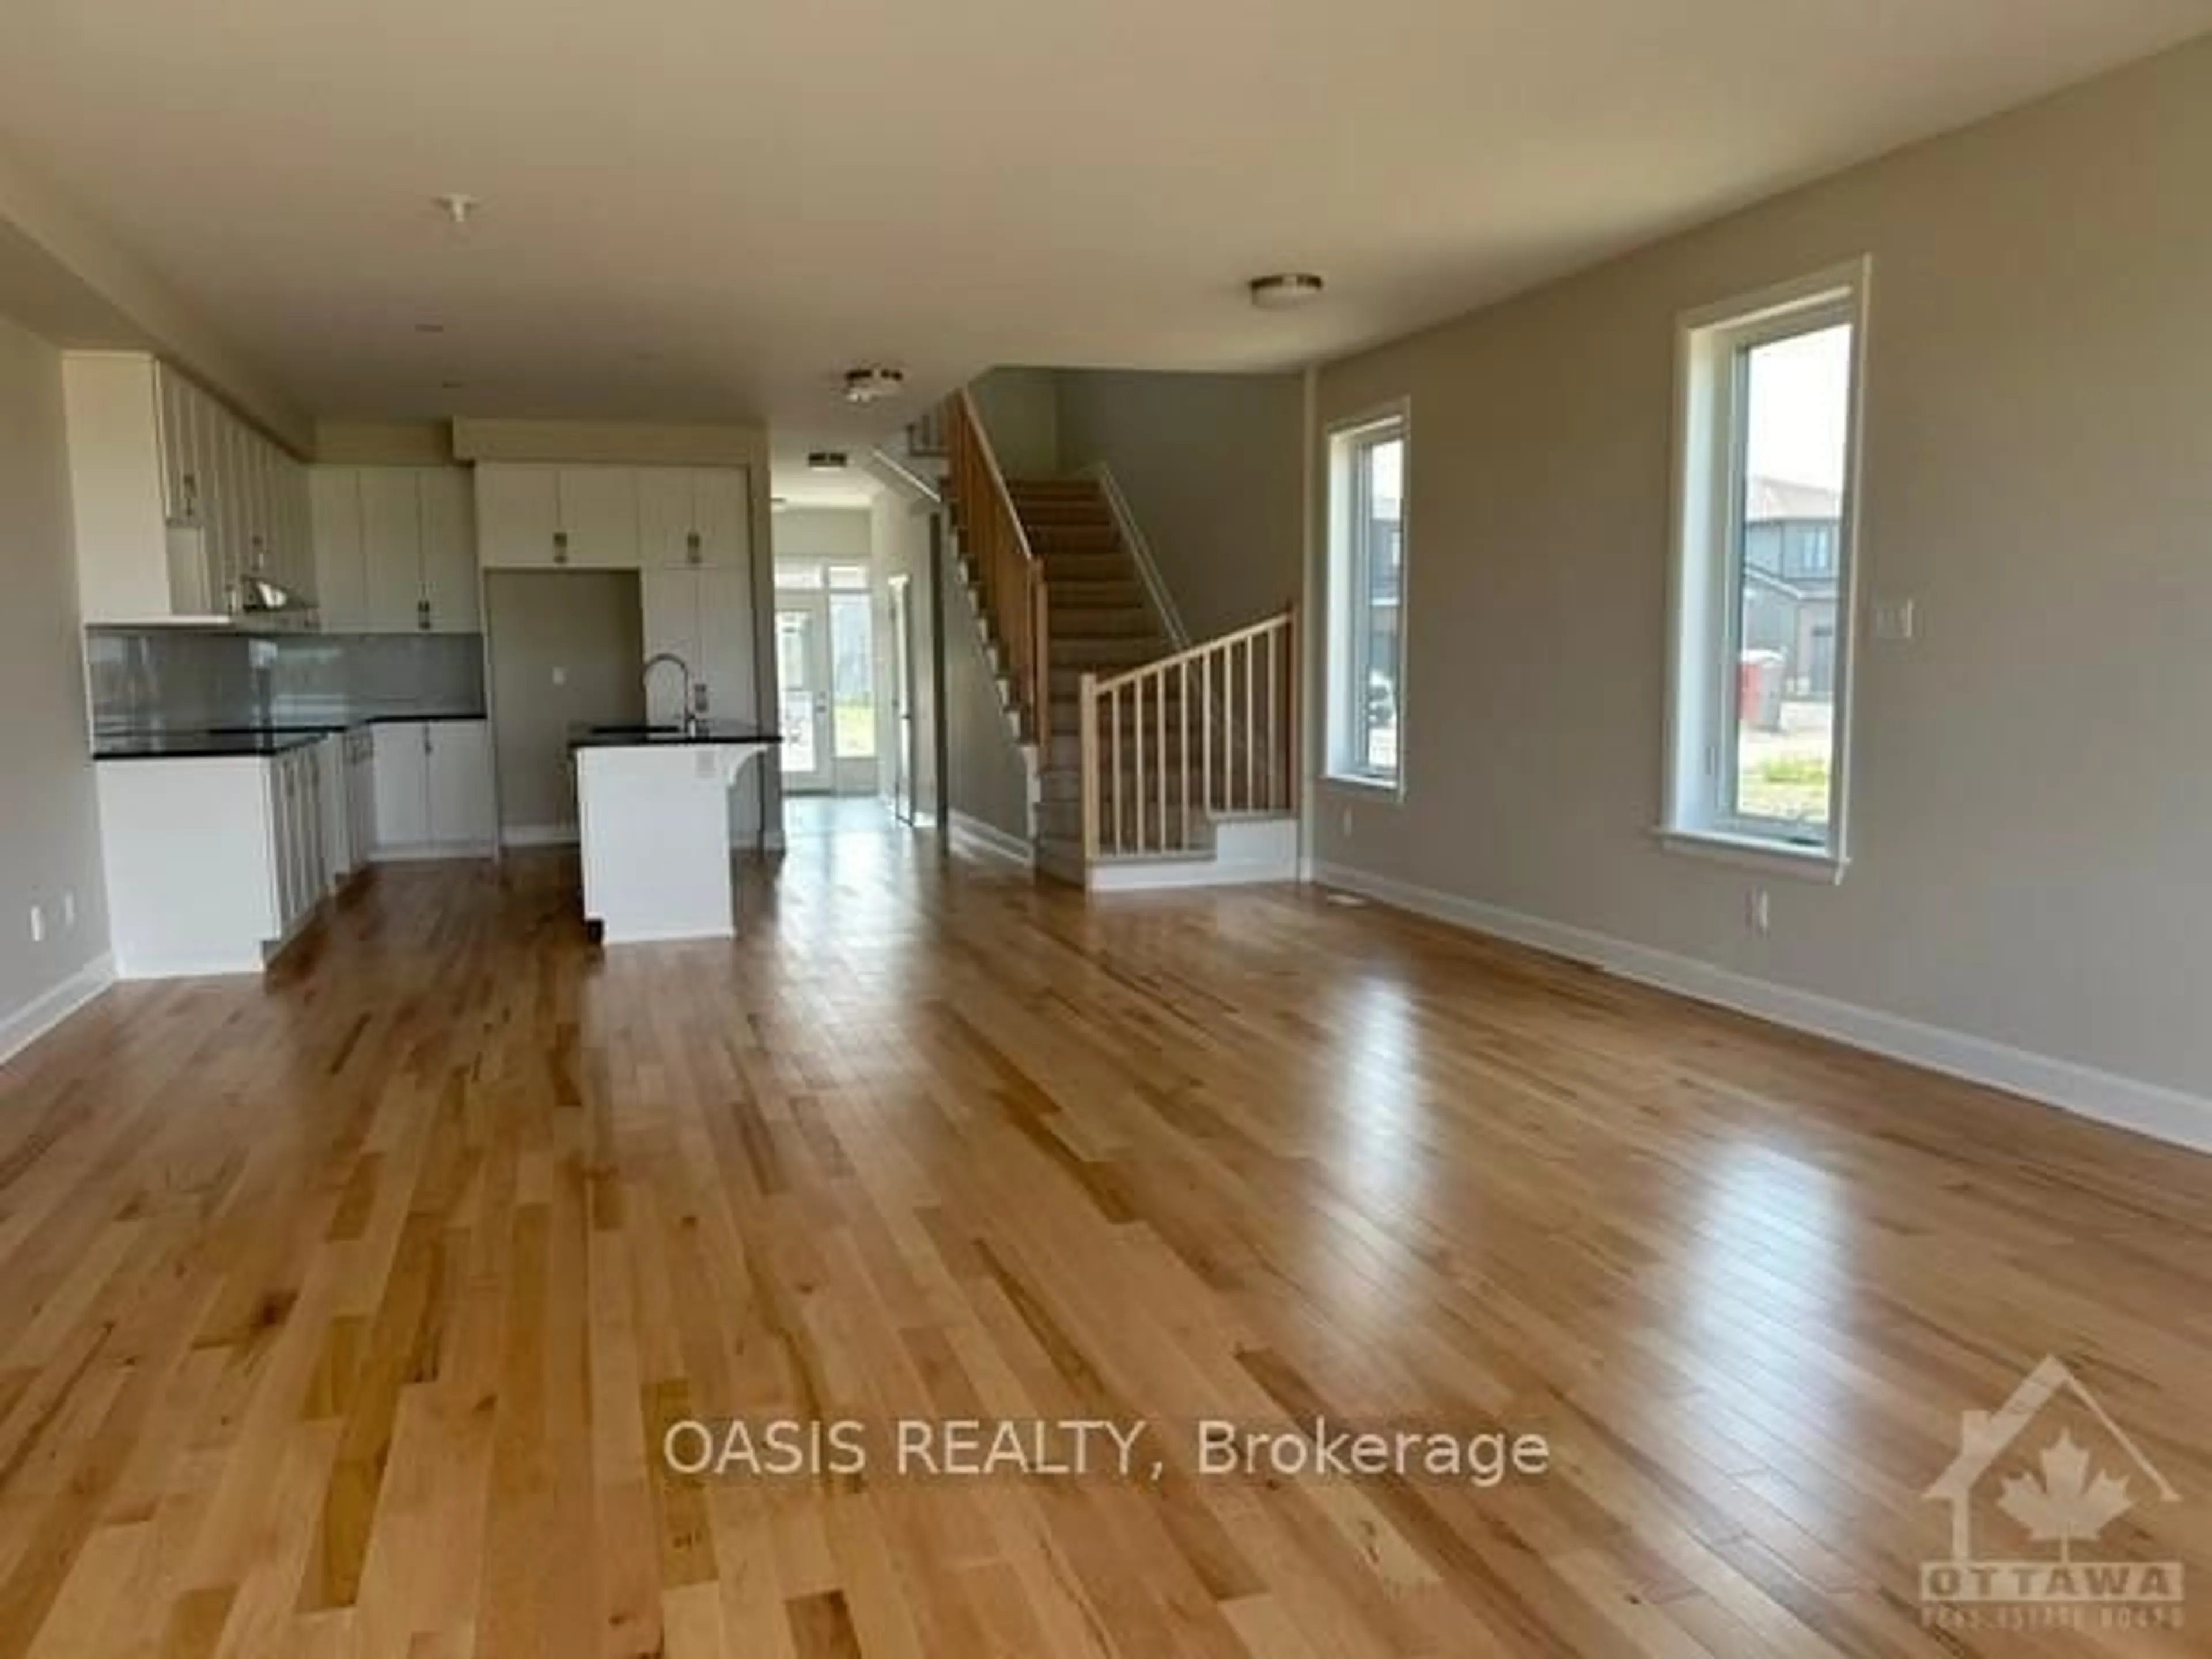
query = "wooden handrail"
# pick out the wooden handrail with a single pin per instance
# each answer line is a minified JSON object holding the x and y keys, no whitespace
{"x":1231,"y":706}
{"x":1191,"y":654}
{"x":1008,"y":576}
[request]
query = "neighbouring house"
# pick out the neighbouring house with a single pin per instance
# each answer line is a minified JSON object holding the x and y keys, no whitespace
{"x":1790,"y":540}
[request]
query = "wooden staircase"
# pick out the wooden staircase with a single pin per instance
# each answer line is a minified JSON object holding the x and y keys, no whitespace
{"x":1102,"y":624}
{"x":1148,"y":756}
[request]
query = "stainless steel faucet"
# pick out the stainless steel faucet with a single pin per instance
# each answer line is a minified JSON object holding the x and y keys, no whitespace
{"x":690,"y":717}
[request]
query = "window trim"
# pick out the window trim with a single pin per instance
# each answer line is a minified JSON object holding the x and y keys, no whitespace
{"x":1706,"y":528}
{"x":1338,"y":675}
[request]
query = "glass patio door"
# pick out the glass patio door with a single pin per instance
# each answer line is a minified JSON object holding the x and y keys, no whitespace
{"x":802,"y":685}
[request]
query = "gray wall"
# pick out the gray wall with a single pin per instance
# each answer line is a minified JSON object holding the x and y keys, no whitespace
{"x":1020,"y":411}
{"x":2031,"y":797}
{"x":585,"y":626}
{"x":49,"y":818}
{"x":1212,"y":469}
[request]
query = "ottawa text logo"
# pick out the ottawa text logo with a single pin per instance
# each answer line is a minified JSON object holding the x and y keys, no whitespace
{"x":2043,"y":1478}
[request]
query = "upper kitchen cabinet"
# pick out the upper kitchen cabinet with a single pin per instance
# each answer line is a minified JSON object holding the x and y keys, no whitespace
{"x":177,"y":499}
{"x":451,"y":585}
{"x":518,"y":515}
{"x":692,"y":516}
{"x":395,"y":550}
{"x":537,"y":516}
{"x":341,"y":561}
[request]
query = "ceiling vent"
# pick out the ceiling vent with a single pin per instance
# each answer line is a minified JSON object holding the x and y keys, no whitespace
{"x":873,"y":383}
{"x":827,"y":461}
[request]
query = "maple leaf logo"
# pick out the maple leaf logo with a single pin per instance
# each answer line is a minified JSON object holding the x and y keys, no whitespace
{"x":2064,"y":1505}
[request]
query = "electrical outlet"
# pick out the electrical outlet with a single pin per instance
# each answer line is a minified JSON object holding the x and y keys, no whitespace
{"x":1896,"y":620}
{"x":38,"y":925}
{"x":1758,"y":912}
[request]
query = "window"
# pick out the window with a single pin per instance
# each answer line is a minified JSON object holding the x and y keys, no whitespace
{"x":1366,"y":600}
{"x":1767,"y":442}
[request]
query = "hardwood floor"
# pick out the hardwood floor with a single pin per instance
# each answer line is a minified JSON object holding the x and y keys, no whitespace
{"x":347,"y":1314}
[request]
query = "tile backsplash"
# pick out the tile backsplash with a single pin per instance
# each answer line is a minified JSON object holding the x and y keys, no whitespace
{"x":171,"y":678}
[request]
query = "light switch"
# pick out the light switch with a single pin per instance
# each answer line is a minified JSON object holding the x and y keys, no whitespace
{"x":1895,"y":619}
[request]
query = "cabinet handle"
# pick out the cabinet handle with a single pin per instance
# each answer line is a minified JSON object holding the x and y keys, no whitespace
{"x":423,"y":615}
{"x":692,"y":542}
{"x":425,"y":739}
{"x":560,"y":547}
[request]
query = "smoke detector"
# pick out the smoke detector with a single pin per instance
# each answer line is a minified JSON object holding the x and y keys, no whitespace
{"x":871,"y":383}
{"x":458,"y":205}
{"x":1286,"y":289}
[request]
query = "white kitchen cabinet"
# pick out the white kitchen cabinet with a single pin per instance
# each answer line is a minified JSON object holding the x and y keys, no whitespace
{"x":349,"y":803}
{"x":212,"y":863}
{"x":175,"y":496}
{"x":340,"y":565}
{"x":450,"y":583}
{"x":704,"y":617}
{"x":540,"y":516}
{"x":433,"y":788}
{"x":598,"y":518}
{"x":402,"y":539}
{"x":692,"y":516}
{"x":361,"y":795}
{"x":668,"y":601}
{"x":667,"y":535}
{"x":722,"y":510}
{"x":299,"y":872}
{"x":518,"y":514}
{"x":402,"y":772}
{"x":462,"y":812}
{"x":392,"y":549}
{"x":726,"y":644}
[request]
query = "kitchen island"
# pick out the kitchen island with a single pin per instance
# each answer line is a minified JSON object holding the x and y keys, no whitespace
{"x":653,"y":811}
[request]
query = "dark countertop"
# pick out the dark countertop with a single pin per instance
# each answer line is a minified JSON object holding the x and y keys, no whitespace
{"x":709,"y":734}
{"x":221,"y":742}
{"x":242,"y":744}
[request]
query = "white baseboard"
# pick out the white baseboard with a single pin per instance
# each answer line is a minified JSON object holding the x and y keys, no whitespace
{"x":128,"y":969}
{"x":538,"y":835}
{"x":27,"y":1025}
{"x":992,"y":839}
{"x":1160,"y":875}
{"x":434,"y":852}
{"x":2150,"y":1109}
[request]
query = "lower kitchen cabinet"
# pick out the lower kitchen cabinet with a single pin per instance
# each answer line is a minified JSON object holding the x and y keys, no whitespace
{"x":349,"y":781}
{"x":213,"y":863}
{"x":433,"y":786}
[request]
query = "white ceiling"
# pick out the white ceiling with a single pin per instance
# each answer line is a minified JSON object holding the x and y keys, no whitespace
{"x":705,"y":209}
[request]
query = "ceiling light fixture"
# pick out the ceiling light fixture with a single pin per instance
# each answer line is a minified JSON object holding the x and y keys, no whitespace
{"x":458,"y":205}
{"x":1286,"y":290}
{"x":826,"y":460}
{"x":873,"y":382}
